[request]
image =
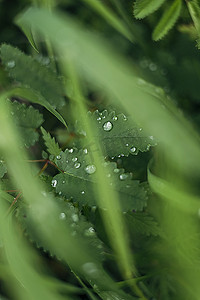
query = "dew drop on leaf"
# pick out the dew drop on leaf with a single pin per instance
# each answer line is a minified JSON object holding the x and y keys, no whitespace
{"x":77,"y":165}
{"x":107,"y":126}
{"x":54,"y":183}
{"x":83,"y":192}
{"x":91,"y":269}
{"x":133,"y":149}
{"x":85,"y":150}
{"x":74,"y":159}
{"x":115,"y":118}
{"x":11,"y":64}
{"x":75,"y":218}
{"x":71,"y":150}
{"x":90,"y":169}
{"x":90,"y":231}
{"x":58,"y":157}
{"x":123,"y":176}
{"x":116,"y":170}
{"x":62,"y":216}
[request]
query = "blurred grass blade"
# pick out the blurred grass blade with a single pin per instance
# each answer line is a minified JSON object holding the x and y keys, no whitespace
{"x":21,"y":261}
{"x":106,"y":196}
{"x":168,"y":20}
{"x":29,"y":34}
{"x":110,"y":17}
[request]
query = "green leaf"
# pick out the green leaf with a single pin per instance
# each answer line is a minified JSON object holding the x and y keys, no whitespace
{"x":69,"y":214}
{"x":167,"y":20}
{"x":110,"y":17}
{"x":36,"y":97}
{"x":142,"y":223}
{"x":118,"y":134}
{"x":143,"y":8}
{"x":78,"y":182}
{"x":24,"y":68}
{"x":52,"y":147}
{"x":27,"y":119}
{"x":194,"y":10}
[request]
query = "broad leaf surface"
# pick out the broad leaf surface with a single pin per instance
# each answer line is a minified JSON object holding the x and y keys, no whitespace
{"x":118,"y":134}
{"x":79,"y":181}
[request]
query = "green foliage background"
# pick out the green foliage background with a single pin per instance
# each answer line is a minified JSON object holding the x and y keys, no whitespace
{"x":99,"y":149}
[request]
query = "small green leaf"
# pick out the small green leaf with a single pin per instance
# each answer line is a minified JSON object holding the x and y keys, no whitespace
{"x":52,"y":147}
{"x":24,"y":68}
{"x":78,"y":182}
{"x":143,"y":8}
{"x":27,"y":119}
{"x":194,"y":10}
{"x":142,"y":223}
{"x":118,"y":134}
{"x":168,"y":20}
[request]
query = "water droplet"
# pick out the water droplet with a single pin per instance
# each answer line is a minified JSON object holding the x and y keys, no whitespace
{"x":75,"y":217}
{"x":90,"y":231}
{"x":152,"y":67}
{"x":99,"y":119}
{"x":123,"y":176}
{"x":85,"y":151}
{"x":11,"y":64}
{"x":63,"y":181}
{"x":127,"y":145}
{"x":115,"y":118}
{"x":77,"y":165}
{"x":91,"y":269}
{"x":108,"y":175}
{"x":74,"y":159}
{"x":83,"y":192}
{"x":62,"y":216}
{"x":133,"y":149}
{"x":54,"y":183}
{"x":71,"y":150}
{"x":90,"y":169}
{"x":140,"y":129}
{"x":116,"y":170}
{"x":58,"y":157}
{"x":151,"y":137}
{"x":107,"y":126}
{"x":59,"y":193}
{"x":125,"y":118}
